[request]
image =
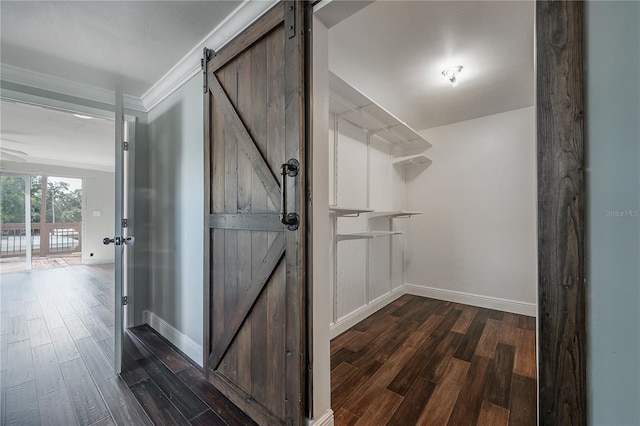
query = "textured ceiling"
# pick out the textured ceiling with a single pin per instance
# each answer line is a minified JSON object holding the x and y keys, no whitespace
{"x":395,"y":51}
{"x":55,"y":137}
{"x":99,"y":42}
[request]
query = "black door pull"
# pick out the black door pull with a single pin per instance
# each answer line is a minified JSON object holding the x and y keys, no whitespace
{"x":290,"y":168}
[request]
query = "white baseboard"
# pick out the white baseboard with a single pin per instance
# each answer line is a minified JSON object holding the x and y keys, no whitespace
{"x":353,"y":318}
{"x":326,"y":419}
{"x":496,"y":303}
{"x":187,"y":345}
{"x":97,"y":260}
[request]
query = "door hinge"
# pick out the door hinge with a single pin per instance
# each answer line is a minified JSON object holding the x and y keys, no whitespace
{"x":125,"y":223}
{"x":125,"y":300}
{"x":290,"y":19}
{"x":125,"y":146}
{"x":207,"y":54}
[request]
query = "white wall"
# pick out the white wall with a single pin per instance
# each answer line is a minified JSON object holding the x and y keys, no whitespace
{"x":365,"y":271}
{"x":613,"y":205}
{"x":176,"y":183}
{"x":320,"y":265}
{"x":386,"y":193}
{"x":477,"y":235}
{"x":98,"y":193}
{"x":351,"y":187}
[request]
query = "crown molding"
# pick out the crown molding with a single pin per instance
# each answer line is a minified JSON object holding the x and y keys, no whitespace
{"x":241,"y":17}
{"x":63,"y":86}
{"x":27,"y":98}
{"x":6,"y":165}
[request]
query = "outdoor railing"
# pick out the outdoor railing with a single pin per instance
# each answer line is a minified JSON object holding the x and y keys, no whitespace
{"x":62,"y":238}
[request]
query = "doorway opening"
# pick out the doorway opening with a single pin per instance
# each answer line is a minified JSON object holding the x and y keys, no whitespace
{"x":432,"y":206}
{"x":57,"y":176}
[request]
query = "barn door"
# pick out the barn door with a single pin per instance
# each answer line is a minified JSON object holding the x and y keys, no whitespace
{"x":255,"y":210}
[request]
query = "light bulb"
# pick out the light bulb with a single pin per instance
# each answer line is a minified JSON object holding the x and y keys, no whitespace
{"x":450,"y":74}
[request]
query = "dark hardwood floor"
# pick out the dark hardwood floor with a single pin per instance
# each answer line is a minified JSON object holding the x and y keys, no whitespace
{"x":57,"y":352}
{"x":416,"y":361}
{"x":421,"y":361}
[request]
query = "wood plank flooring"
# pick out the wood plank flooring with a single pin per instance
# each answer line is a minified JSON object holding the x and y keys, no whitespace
{"x":57,"y":354}
{"x":421,"y":361}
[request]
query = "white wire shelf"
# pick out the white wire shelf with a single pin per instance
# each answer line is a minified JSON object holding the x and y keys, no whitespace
{"x":395,"y":214}
{"x":348,"y":103}
{"x":366,"y":235}
{"x":348,"y":211}
{"x":412,"y":160}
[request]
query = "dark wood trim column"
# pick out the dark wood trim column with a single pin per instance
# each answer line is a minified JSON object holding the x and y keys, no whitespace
{"x":561,"y":213}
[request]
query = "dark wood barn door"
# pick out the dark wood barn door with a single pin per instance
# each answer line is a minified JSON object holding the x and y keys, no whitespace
{"x":255,"y":210}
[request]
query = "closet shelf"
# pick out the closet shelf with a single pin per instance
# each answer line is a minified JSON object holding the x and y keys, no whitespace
{"x":347,"y":211}
{"x":394,"y":215}
{"x":412,"y":160}
{"x":348,"y":103}
{"x":366,"y":235}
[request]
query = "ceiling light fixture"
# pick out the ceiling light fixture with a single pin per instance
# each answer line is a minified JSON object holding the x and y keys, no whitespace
{"x":451,"y":73}
{"x":84,"y":117}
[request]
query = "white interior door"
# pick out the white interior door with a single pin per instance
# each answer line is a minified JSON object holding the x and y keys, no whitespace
{"x":122,"y":241}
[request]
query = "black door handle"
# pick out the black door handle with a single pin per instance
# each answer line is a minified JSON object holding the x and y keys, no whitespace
{"x":106,"y":241}
{"x":290,"y":168}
